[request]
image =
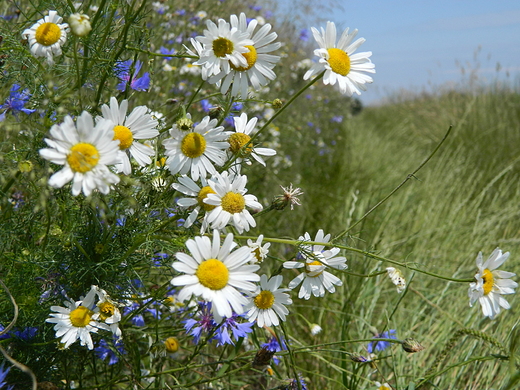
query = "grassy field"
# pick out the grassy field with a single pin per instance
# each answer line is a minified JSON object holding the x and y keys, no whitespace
{"x":465,"y":200}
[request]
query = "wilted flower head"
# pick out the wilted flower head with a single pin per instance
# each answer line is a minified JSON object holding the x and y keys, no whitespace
{"x":397,"y":278}
{"x":80,"y":24}
{"x":289,"y":197}
{"x":412,"y":345}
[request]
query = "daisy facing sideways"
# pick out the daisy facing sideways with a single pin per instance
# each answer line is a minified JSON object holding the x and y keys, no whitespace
{"x":139,"y":124}
{"x":315,"y":279}
{"x":85,"y":151}
{"x":490,"y":284}
{"x":47,"y":36}
{"x":339,"y":62}
{"x":196,"y":194}
{"x":218,"y":274}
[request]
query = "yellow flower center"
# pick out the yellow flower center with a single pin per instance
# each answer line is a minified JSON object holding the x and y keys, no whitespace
{"x":237,"y":141}
{"x":203,"y":194}
{"x":222,"y":46}
{"x":107,"y":310}
{"x":264,"y":300}
{"x":488,"y":281}
{"x":172,"y":344}
{"x":314,"y":268}
{"x":250,"y":57}
{"x":258,"y":255}
{"x":124,"y":135}
{"x":161,"y":162}
{"x":48,"y":34}
{"x":80,"y":317}
{"x":193,"y":145}
{"x":83,"y":157}
{"x":233,"y":203}
{"x":213,"y":274}
{"x":339,"y":61}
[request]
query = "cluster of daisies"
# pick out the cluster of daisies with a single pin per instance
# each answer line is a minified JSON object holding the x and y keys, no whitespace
{"x":236,"y":56}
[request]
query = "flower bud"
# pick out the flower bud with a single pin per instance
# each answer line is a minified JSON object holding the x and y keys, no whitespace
{"x":411,"y":345}
{"x":171,"y":344}
{"x":184,"y":124}
{"x":277,"y":104}
{"x":80,"y":24}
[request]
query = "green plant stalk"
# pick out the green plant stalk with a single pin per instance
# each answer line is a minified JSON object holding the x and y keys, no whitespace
{"x":362,"y":252}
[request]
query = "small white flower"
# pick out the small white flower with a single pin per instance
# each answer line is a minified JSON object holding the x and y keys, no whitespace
{"x":76,"y":321}
{"x":315,"y":279}
{"x":241,"y":138}
{"x":222,"y":46}
{"x":339,"y":62}
{"x":397,"y":278}
{"x":85,"y":151}
{"x":490,"y":284}
{"x":382,"y":386}
{"x":195,"y":151}
{"x":257,"y":249}
{"x":315,"y":329}
{"x":216,"y":274}
{"x":80,"y":24}
{"x":47,"y":36}
{"x":128,"y":129}
{"x":258,"y":70}
{"x":108,"y":312}
{"x":231,"y":200}
{"x":266,"y":306}
{"x":196,"y":194}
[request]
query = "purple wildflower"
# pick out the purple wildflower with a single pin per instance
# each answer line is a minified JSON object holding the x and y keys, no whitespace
{"x":381,"y":345}
{"x":165,"y":51}
{"x":15,"y":103}
{"x":3,"y":374}
{"x":337,"y":119}
{"x":112,"y":350}
{"x":304,"y":35}
{"x":122,"y":71}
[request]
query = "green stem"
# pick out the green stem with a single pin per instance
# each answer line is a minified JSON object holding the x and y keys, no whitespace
{"x":396,"y":188}
{"x":362,"y":252}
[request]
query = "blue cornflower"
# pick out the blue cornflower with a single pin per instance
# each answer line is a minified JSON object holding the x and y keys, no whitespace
{"x":165,"y":51}
{"x":237,"y":329}
{"x":122,"y":71}
{"x":26,"y":334}
{"x":381,"y":345}
{"x":337,"y":119}
{"x":273,"y":345}
{"x":112,"y":351}
{"x":3,"y":374}
{"x":221,"y":333}
{"x":157,"y":257}
{"x":206,"y":105}
{"x":304,"y":35}
{"x":15,"y":103}
{"x":294,"y":384}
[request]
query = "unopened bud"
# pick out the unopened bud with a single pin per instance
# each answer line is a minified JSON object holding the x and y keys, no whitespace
{"x":277,"y":104}
{"x":25,"y":166}
{"x":184,"y":124}
{"x":216,"y":112}
{"x":411,"y":345}
{"x":80,"y":24}
{"x":171,"y":344}
{"x":356,"y":357}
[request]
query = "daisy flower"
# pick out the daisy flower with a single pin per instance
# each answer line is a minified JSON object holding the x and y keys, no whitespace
{"x":397,"y":278}
{"x":196,"y":194}
{"x":242,"y":137}
{"x":258,"y":71}
{"x":490,"y":284}
{"x":85,"y":151}
{"x":257,"y":249}
{"x":267,"y":305}
{"x":217,"y":274}
{"x":128,"y":129}
{"x":231,"y":201}
{"x":222,"y":46}
{"x":339,"y":62}
{"x":76,"y":320}
{"x":195,"y":151}
{"x":382,"y":386}
{"x":315,"y":279}
{"x":47,"y":36}
{"x":108,"y":312}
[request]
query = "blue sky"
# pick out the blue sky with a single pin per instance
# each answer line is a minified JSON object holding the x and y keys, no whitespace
{"x":418,"y":45}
